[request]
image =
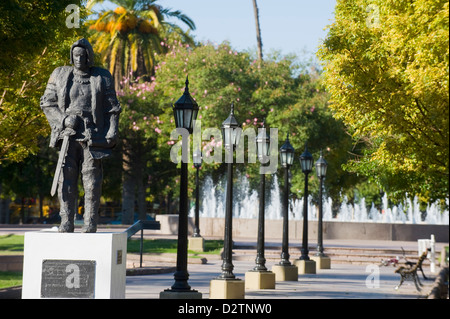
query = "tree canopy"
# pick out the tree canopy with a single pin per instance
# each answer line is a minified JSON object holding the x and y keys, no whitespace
{"x":129,"y":37}
{"x":386,"y":67}
{"x":35,"y":39}
{"x":218,"y":76}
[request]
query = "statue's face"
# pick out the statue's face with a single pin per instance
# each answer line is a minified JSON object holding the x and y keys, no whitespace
{"x":80,"y":60}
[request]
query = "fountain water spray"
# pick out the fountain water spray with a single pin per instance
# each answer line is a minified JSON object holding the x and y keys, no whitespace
{"x":212,"y":198}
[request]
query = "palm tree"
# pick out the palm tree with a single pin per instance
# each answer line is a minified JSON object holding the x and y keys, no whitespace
{"x":129,"y":36}
{"x":258,"y":30}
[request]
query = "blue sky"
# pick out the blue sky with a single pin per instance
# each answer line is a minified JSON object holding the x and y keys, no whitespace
{"x":289,"y":26}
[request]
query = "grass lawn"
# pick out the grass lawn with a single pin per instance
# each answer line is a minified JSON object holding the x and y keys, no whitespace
{"x":10,"y":279}
{"x":11,"y":244}
{"x":212,"y":247}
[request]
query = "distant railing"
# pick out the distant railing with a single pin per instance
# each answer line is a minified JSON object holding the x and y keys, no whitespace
{"x":140,"y":225}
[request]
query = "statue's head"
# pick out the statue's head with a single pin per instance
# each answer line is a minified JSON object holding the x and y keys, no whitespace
{"x":82,"y":54}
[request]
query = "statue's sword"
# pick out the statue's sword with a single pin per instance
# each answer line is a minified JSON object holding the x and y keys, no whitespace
{"x":61,"y":159}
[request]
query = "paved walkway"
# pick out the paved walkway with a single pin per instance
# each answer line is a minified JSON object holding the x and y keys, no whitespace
{"x":342,"y":281}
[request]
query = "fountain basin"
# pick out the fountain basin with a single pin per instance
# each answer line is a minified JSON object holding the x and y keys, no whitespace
{"x":331,"y":230}
{"x":248,"y":228}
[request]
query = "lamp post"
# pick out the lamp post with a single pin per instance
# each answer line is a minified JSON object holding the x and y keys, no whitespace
{"x":231,"y":132}
{"x":197,"y":158}
{"x":226,"y":285}
{"x":286,"y":159}
{"x":259,"y":277}
{"x":262,"y":146}
{"x":306,"y":162}
{"x":321,"y":170}
{"x":185,"y":111}
{"x":284,"y":270}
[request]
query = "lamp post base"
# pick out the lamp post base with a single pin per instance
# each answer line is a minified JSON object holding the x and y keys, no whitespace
{"x":322,"y":262}
{"x":285,"y":272}
{"x":227,"y":289}
{"x":259,"y":280}
{"x":173,"y":294}
{"x":305,"y":266}
{"x":196,"y":244}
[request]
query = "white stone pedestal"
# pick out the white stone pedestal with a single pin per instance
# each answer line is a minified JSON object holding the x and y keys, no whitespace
{"x":74,"y":265}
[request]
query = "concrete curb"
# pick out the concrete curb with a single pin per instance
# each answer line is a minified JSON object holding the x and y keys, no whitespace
{"x":11,"y":293}
{"x":149,"y":271}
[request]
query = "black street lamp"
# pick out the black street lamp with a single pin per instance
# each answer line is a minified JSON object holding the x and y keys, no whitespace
{"x":286,"y":159}
{"x":262,"y":145}
{"x":197,"y":157}
{"x":321,"y":170}
{"x":231,"y":132}
{"x":185,"y":111}
{"x":306,"y":162}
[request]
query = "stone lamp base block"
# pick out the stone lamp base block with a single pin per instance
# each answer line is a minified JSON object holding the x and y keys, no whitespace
{"x":196,"y":244}
{"x":259,"y":280}
{"x":322,"y":262}
{"x":227,"y":289}
{"x":305,"y":266}
{"x":170,"y":294}
{"x":285,"y":273}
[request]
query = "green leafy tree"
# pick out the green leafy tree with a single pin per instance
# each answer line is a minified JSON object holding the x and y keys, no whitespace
{"x":29,"y":179}
{"x":219,"y":76}
{"x":386,"y":67}
{"x":35,"y":39}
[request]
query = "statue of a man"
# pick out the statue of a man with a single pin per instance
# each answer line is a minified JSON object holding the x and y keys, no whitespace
{"x":81,"y":106}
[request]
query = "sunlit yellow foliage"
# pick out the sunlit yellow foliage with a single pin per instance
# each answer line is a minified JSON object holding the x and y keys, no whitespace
{"x":387,"y":69}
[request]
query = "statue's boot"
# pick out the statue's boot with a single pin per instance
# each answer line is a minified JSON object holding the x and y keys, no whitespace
{"x":67,"y":225}
{"x":67,"y":206}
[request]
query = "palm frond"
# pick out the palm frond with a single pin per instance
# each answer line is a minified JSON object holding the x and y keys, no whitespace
{"x":151,"y":15}
{"x":179,"y":15}
{"x":91,"y":3}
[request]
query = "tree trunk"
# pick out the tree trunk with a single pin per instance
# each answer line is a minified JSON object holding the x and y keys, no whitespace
{"x":142,"y":204}
{"x":4,"y":206}
{"x":118,"y":68}
{"x":4,"y":210}
{"x":140,"y":178}
{"x":128,"y":184}
{"x":258,"y":30}
{"x":22,"y":212}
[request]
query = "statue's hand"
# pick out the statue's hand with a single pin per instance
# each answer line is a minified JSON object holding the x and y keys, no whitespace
{"x":71,"y":121}
{"x":111,"y":140}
